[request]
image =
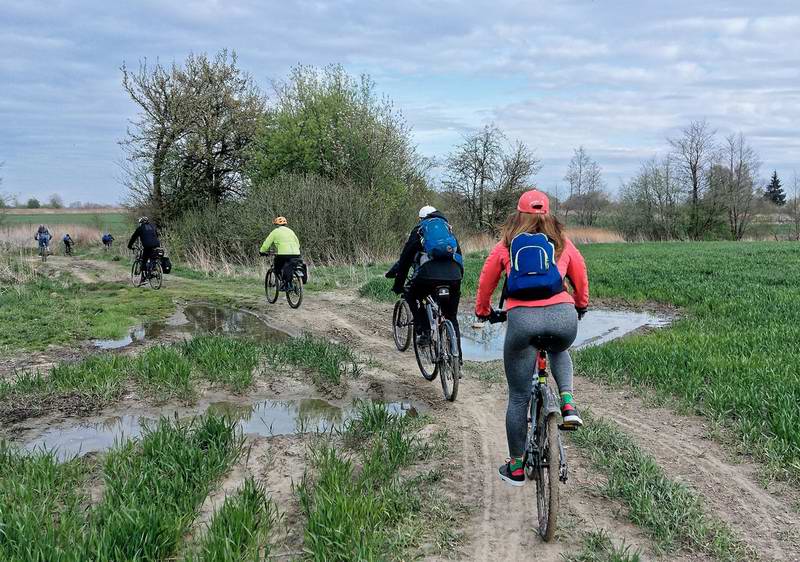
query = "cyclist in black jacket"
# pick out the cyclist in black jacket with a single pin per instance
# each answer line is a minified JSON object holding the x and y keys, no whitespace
{"x":147,"y":234}
{"x":426,"y":276}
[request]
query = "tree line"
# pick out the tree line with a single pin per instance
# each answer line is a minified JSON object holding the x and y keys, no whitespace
{"x":212,"y":158}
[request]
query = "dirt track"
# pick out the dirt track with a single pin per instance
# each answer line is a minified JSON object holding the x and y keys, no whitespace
{"x":500,"y":521}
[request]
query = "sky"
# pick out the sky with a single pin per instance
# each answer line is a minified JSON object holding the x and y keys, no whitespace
{"x":616,"y":76}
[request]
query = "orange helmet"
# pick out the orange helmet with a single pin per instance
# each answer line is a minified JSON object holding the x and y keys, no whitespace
{"x":280,"y":221}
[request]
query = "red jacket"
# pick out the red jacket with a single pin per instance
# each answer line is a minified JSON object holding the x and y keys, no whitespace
{"x":570,"y":264}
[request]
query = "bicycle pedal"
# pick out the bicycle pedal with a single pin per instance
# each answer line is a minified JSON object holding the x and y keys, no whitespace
{"x":565,"y":427}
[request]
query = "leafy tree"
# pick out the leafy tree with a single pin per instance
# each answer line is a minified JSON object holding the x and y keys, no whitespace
{"x":774,"y":191}
{"x":33,"y":203}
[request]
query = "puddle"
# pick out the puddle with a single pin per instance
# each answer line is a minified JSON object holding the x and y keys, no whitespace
{"x":597,"y":327}
{"x":264,"y":418}
{"x":197,"y":319}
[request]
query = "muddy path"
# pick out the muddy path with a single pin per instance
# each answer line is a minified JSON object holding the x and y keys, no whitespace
{"x":500,"y":521}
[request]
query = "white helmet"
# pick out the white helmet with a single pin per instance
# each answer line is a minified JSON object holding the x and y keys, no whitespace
{"x":426,"y":210}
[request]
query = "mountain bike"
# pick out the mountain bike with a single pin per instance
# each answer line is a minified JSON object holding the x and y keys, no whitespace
{"x":150,"y":272}
{"x":67,"y":249}
{"x":294,"y":286}
{"x":439,"y":355}
{"x":44,"y":250}
{"x":545,"y":459}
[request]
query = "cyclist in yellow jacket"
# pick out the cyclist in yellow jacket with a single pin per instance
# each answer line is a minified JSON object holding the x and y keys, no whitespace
{"x":287,"y":249}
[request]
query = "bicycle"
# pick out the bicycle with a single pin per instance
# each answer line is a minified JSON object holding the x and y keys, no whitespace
{"x":67,"y":249}
{"x":440,"y":354}
{"x":44,"y":251}
{"x":152,"y":274}
{"x":544,"y":448}
{"x":294,"y":287}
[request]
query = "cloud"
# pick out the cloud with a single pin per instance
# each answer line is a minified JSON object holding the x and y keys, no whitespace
{"x":616,"y":77}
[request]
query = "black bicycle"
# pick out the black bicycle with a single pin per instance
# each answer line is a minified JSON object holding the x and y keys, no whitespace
{"x":545,"y":459}
{"x":439,"y":353}
{"x":293,"y":288}
{"x":150,"y":272}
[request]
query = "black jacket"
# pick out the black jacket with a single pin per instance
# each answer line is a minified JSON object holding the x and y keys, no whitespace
{"x":148,"y":234}
{"x":433,"y":270}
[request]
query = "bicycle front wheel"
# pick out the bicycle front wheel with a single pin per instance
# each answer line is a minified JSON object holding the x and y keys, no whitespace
{"x":271,"y":286}
{"x":294,"y":292}
{"x":156,"y":276}
{"x":449,"y":361}
{"x":402,"y":325}
{"x":136,"y":273}
{"x":547,"y":478}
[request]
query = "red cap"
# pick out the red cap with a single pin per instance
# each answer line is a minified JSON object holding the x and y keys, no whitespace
{"x":534,"y":202}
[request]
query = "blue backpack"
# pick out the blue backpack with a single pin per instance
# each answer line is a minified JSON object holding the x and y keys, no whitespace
{"x":438,"y":240}
{"x":534,"y":272}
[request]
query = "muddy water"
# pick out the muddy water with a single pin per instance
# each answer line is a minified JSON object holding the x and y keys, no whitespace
{"x":196,"y":319}
{"x":264,"y":418}
{"x":598,"y":326}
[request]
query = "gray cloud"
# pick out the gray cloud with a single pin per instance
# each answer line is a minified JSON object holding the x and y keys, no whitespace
{"x":615,"y":77}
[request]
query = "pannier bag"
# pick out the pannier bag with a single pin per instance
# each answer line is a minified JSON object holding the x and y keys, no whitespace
{"x":166,"y":264}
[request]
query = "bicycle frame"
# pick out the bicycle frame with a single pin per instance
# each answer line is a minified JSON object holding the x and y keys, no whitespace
{"x":543,"y":403}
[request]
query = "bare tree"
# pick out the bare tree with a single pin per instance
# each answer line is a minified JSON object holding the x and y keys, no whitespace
{"x":651,"y":202}
{"x":793,"y":207}
{"x":161,"y":122}
{"x":473,"y":169}
{"x":694,"y":153}
{"x":55,"y":201}
{"x":587,"y":195}
{"x":734,"y":183}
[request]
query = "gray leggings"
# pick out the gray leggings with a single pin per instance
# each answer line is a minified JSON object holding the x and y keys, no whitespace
{"x":559,"y":323}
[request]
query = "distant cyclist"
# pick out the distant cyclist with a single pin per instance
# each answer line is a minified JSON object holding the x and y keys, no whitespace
{"x":287,"y":250}
{"x":107,"y":240}
{"x":147,"y":234}
{"x":538,"y":306}
{"x":434,"y":253}
{"x":43,"y":236}
{"x":68,"y":243}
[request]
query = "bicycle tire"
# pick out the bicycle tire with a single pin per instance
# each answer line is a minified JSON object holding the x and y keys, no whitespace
{"x":547,"y":479}
{"x":156,"y":277}
{"x":294,"y":293}
{"x":271,"y":286}
{"x":426,"y":357}
{"x":449,"y":361}
{"x":402,"y":325}
{"x":136,"y":273}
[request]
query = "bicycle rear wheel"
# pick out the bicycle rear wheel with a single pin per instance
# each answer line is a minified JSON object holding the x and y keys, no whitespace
{"x":547,"y":478}
{"x":426,"y":356}
{"x":449,"y":361}
{"x":156,"y":276}
{"x":136,"y":273}
{"x":402,"y":325}
{"x":294,"y":292}
{"x":271,"y":286}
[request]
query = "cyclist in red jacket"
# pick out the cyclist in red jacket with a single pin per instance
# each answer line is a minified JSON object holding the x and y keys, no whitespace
{"x":554,"y":315}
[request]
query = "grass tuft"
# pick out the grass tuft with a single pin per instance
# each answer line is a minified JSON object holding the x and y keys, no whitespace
{"x":224,"y":360}
{"x":668,"y":510}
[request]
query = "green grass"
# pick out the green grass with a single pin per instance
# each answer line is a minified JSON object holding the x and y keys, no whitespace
{"x":52,"y":311}
{"x":597,"y":546}
{"x":165,"y":372}
{"x":733,"y":357}
{"x":224,"y":360}
{"x":42,"y":506}
{"x":153,"y":489}
{"x":357,"y":501}
{"x":240,"y":529}
{"x":669,"y":511}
